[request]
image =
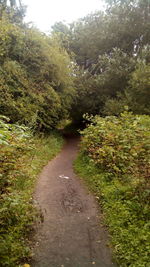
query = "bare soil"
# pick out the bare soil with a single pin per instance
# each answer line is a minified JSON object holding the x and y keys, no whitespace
{"x":71,"y":234}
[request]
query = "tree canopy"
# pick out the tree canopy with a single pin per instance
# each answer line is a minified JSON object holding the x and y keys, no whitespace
{"x":94,"y":65}
{"x":36,"y":76}
{"x":109,"y":47}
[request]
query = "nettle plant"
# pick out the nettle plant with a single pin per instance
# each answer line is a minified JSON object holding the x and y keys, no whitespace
{"x":119,"y":145}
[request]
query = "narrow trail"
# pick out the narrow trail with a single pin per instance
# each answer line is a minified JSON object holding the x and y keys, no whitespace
{"x":70,"y":235}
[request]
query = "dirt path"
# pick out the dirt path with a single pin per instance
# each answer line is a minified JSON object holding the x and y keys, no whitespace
{"x":70,"y":235}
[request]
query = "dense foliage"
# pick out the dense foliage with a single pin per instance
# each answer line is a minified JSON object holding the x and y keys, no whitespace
{"x":22,"y":157}
{"x":112,"y":51}
{"x":36,"y":88}
{"x":36,"y":76}
{"x":115,"y":160}
{"x":96,"y":65}
{"x":119,"y":145}
{"x":92,"y":65}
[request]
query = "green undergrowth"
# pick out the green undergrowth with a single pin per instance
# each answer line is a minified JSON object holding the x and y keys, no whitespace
{"x":115,"y":161}
{"x":22,"y":158}
{"x":127,"y":221}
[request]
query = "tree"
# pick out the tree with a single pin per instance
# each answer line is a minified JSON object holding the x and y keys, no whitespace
{"x":124,"y":25}
{"x":36,"y":76}
{"x":138,"y":91}
{"x":107,"y":46}
{"x":14,"y":10}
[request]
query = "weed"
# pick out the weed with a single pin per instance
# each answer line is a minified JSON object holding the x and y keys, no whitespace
{"x":22,"y":158}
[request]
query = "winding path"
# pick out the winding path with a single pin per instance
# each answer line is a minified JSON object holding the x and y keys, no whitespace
{"x":70,"y":235}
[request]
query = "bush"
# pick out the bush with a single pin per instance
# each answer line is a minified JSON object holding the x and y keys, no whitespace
{"x":115,"y":160}
{"x":119,"y":145}
{"x":22,"y":158}
{"x":125,"y":215}
{"x":14,"y":141}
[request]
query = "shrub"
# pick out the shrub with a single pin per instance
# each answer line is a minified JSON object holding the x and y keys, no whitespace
{"x":119,"y":145}
{"x":115,"y":160}
{"x":123,"y":212}
{"x":14,"y":140}
{"x":21,"y":159}
{"x":17,"y":211}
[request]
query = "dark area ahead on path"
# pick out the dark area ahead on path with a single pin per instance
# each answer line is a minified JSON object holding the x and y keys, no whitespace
{"x":71,"y":235}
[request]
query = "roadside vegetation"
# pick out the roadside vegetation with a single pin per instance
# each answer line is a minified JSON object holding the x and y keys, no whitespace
{"x":98,"y":65}
{"x":115,"y":161}
{"x":22,"y":157}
